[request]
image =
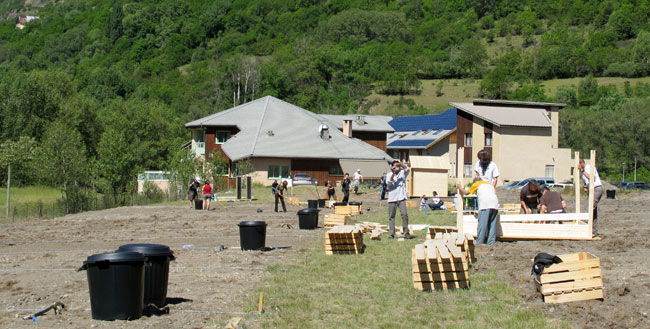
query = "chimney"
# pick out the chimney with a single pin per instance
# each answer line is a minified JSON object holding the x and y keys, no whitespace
{"x":347,"y":128}
{"x":324,"y":132}
{"x":361,"y":120}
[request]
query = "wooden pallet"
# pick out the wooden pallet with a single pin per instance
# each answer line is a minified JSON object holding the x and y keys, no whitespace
{"x":432,"y":230}
{"x":577,"y":278}
{"x":439,"y":264}
{"x":332,"y":220}
{"x":346,"y":239}
{"x":347,"y":210}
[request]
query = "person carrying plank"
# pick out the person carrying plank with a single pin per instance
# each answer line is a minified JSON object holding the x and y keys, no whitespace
{"x":488,"y":209}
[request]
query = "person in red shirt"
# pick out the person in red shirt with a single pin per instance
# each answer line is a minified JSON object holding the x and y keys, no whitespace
{"x":207,"y":195}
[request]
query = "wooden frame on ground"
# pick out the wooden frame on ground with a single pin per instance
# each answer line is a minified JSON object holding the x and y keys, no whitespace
{"x":566,"y":226}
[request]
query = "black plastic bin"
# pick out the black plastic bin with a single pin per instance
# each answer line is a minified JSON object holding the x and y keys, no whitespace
{"x":340,"y":204}
{"x":116,"y":285}
{"x":611,"y":194}
{"x":252,"y":235}
{"x":321,"y":203}
{"x":312,"y":203}
{"x":156,"y":273}
{"x":198,"y":204}
{"x":308,"y":218}
{"x":355,"y":203}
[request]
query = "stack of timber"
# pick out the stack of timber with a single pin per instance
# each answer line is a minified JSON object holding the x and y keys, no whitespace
{"x":347,"y":210}
{"x":344,"y":240}
{"x":510,"y":208}
{"x":412,"y":203}
{"x":463,"y":241}
{"x":332,"y":220}
{"x":578,"y":277}
{"x":432,"y":230}
{"x":366,"y":227}
{"x":439,"y":265}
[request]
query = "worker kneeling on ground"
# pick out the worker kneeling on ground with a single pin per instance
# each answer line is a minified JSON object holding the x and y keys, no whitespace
{"x":551,"y":202}
{"x":529,"y":197}
{"x":488,"y":209}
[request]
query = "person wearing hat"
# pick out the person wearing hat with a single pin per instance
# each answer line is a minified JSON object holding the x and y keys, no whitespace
{"x":357,"y":179}
{"x":551,"y":202}
{"x":396,"y":183}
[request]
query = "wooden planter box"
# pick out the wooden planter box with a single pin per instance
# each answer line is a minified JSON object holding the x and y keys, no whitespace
{"x":347,"y":210}
{"x":439,"y":265}
{"x":332,"y":220}
{"x":344,"y":240}
{"x":578,"y":277}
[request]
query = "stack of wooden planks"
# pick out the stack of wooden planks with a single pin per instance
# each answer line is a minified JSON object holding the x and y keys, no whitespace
{"x":510,"y":208}
{"x":578,"y":277}
{"x":432,"y":230}
{"x":344,"y":240}
{"x":332,"y":220}
{"x":463,"y":241}
{"x":347,"y":210}
{"x":439,"y":264}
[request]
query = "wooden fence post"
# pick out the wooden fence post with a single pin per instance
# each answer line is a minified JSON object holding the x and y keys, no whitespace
{"x":460,"y":173}
{"x":590,"y":203}
{"x":576,"y":181}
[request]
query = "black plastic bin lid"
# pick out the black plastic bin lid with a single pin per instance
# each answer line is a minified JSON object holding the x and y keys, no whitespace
{"x":308,"y":211}
{"x":147,"y":249}
{"x":355,"y":203}
{"x":116,"y":257}
{"x":252,"y":223}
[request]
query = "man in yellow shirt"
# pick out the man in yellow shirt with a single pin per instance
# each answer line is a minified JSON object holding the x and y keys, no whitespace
{"x":488,"y":209}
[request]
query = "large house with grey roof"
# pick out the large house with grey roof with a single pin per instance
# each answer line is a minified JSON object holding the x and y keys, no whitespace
{"x":282,"y":139}
{"x":522,"y":137}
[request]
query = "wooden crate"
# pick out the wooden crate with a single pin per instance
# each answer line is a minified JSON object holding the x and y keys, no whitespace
{"x":344,"y":239}
{"x":432,"y":230}
{"x":412,"y":203}
{"x":438,"y":265}
{"x":332,"y":220}
{"x":577,"y":278}
{"x":347,"y":210}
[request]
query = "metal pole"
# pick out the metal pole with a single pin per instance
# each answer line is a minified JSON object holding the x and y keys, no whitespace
{"x":634,"y":168}
{"x":623,"y":171}
{"x":8,"y":189}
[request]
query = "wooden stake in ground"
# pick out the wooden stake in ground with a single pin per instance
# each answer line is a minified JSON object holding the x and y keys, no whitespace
{"x":590,"y":200}
{"x":576,"y":181}
{"x":260,"y":308}
{"x":460,"y":153}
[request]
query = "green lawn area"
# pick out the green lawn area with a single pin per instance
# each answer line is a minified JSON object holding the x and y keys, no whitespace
{"x":29,"y":194}
{"x":375,"y":290}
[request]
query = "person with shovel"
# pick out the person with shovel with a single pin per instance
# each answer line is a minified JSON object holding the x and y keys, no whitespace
{"x":279,"y":195}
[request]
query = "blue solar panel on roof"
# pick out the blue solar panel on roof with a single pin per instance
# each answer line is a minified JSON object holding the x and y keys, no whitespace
{"x":411,"y":143}
{"x":445,"y":120}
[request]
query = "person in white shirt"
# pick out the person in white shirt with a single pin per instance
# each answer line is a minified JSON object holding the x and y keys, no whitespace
{"x":357,"y":179}
{"x":486,"y":169}
{"x":396,"y":187}
{"x":488,"y":209}
{"x":585,"y":171}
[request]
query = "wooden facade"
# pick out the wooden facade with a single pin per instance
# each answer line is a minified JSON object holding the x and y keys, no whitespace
{"x":319,"y":169}
{"x":210,"y":139}
{"x":464,"y":126}
{"x":374,"y":138}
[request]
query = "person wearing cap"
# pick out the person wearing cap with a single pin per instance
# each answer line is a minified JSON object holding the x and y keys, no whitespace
{"x":585,"y":172}
{"x":357,"y":179}
{"x":486,"y":169}
{"x":551,"y":202}
{"x":488,"y":205}
{"x":529,"y":198}
{"x":396,"y":184}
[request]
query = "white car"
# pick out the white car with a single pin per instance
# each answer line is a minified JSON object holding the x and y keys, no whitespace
{"x":303,"y":179}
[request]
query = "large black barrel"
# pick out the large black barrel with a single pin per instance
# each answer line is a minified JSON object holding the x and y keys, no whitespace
{"x":252,"y":235}
{"x":321,"y":203}
{"x":156,"y":273}
{"x":312,"y":203}
{"x":116,"y":285}
{"x":198,"y":204}
{"x":308,"y":218}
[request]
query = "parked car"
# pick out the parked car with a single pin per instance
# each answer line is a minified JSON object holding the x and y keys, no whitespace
{"x":512,"y":185}
{"x":303,"y":179}
{"x":540,"y":180}
{"x":564,"y":184}
{"x":634,"y":185}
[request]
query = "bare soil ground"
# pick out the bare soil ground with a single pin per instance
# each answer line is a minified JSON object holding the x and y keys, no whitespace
{"x":39,"y":258}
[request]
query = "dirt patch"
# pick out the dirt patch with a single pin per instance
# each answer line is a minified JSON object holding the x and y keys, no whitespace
{"x":39,"y":258}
